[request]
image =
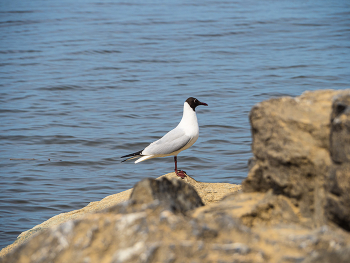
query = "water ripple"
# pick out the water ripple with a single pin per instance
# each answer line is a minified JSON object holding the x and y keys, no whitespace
{"x":85,"y":82}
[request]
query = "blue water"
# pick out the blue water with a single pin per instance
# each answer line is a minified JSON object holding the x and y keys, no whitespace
{"x":85,"y":82}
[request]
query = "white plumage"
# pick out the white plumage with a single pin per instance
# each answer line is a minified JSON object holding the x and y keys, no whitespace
{"x":181,"y":138}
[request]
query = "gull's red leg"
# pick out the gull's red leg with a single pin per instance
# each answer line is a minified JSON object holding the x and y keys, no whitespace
{"x":179,"y":173}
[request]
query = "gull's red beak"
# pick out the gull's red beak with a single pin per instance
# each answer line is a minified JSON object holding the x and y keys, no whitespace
{"x":202,"y":103}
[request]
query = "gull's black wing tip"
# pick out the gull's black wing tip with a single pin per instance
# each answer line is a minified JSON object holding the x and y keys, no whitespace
{"x":132,"y":155}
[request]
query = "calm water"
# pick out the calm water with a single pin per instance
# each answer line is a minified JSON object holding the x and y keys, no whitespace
{"x":85,"y":82}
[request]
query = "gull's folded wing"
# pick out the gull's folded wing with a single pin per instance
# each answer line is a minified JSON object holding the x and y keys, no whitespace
{"x":171,"y":142}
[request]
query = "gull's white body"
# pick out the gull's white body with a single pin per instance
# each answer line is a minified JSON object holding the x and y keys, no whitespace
{"x":181,"y":138}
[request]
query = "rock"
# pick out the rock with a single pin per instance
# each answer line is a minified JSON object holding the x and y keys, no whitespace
{"x":208,"y":192}
{"x":339,"y":256}
{"x":173,"y":194}
{"x":338,"y":196}
{"x":254,"y":209}
{"x":148,"y":233}
{"x":338,"y":189}
{"x":340,"y":129}
{"x":251,"y":163}
{"x":291,"y":146}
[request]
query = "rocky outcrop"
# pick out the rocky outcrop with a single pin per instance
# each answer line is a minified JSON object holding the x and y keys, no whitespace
{"x":294,"y":207}
{"x":292,"y":146}
{"x":338,"y":188}
{"x":175,"y":195}
{"x":208,"y":192}
{"x":340,"y":129}
{"x":241,"y":228}
{"x":144,"y":228}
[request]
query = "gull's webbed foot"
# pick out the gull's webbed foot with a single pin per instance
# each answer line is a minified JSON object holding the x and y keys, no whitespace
{"x":181,"y":174}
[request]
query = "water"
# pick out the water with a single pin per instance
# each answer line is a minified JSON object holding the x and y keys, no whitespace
{"x":85,"y":82}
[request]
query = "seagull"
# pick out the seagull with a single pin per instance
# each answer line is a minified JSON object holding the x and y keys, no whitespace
{"x":171,"y":144}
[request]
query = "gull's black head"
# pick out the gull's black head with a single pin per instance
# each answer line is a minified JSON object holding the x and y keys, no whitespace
{"x":193,"y":102}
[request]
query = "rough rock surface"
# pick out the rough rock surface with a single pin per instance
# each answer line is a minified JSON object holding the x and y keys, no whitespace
{"x":291,"y":146}
{"x":295,"y":207}
{"x":338,"y":188}
{"x":175,"y":195}
{"x":130,"y":232}
{"x":208,"y":192}
{"x":340,"y":129}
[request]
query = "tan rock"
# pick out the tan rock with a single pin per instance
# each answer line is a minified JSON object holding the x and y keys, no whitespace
{"x":337,"y":206}
{"x":148,"y":233}
{"x":209,"y":192}
{"x":291,"y":145}
{"x":254,"y":209}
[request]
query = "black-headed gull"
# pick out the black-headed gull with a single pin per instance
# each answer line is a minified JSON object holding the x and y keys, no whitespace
{"x":171,"y":144}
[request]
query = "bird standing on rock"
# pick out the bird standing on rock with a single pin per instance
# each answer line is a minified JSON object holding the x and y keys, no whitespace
{"x":171,"y":144}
